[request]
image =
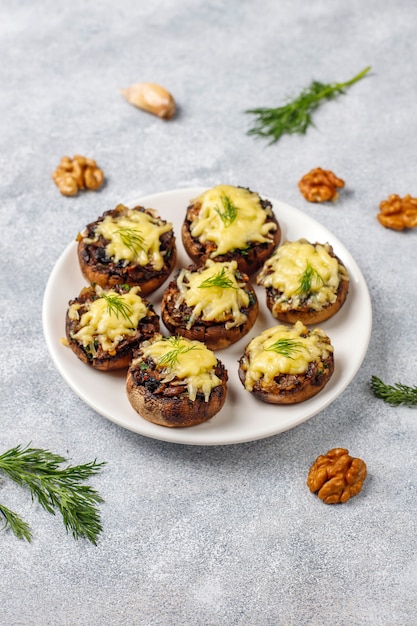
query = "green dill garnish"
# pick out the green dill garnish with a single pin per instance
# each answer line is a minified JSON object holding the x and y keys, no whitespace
{"x":285,"y":347}
{"x":131,"y":238}
{"x":218,"y":280}
{"x":169,"y":359}
{"x":12,"y":520}
{"x":394,"y":394}
{"x":229,"y":211}
{"x":296,"y":115}
{"x":307,"y":277}
{"x":56,"y":488}
{"x":116,"y":305}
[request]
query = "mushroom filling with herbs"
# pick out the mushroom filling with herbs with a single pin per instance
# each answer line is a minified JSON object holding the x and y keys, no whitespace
{"x":281,"y":351}
{"x":302,"y":274}
{"x":182,"y":362}
{"x":133,"y":236}
{"x":215,"y":293}
{"x":232,"y":218}
{"x":108,"y":319}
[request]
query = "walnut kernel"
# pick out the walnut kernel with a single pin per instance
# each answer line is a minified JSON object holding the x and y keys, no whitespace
{"x":398,"y":213}
{"x":336,"y":476}
{"x":320,"y":185}
{"x":71,"y":175}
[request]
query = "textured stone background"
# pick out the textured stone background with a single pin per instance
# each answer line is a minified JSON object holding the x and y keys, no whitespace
{"x":224,"y":535}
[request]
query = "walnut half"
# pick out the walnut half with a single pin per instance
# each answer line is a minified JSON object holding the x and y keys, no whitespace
{"x":320,"y":185}
{"x":71,"y":175}
{"x":398,"y":213}
{"x":336,"y":476}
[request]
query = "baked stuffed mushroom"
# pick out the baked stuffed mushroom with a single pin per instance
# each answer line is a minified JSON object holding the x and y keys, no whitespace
{"x":287,"y":364}
{"x":175,"y":382}
{"x":228,"y":223}
{"x":127,"y":246}
{"x":304,"y":281}
{"x":215,"y":304}
{"x":105,"y":326}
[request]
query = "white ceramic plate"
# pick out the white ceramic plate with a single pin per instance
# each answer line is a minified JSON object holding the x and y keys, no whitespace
{"x":242,"y":418}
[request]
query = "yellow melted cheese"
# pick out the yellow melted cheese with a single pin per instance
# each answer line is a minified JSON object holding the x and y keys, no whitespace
{"x":191,"y":363}
{"x":284,"y":271}
{"x":134,"y":237}
{"x":213,"y":303}
{"x":295,"y":347}
{"x":105,"y":324}
{"x":248,"y":226}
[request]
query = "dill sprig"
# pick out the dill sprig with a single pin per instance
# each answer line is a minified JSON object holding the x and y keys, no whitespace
{"x":285,"y":347}
{"x":218,"y":280}
{"x":131,"y":238}
{"x":229,"y":211}
{"x":11,"y":520}
{"x":170,"y":359}
{"x":55,"y":488}
{"x":296,"y":115}
{"x":394,"y":394}
{"x":117,"y":306}
{"x":307,"y":277}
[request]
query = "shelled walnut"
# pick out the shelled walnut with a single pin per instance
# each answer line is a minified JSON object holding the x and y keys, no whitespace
{"x":398,"y":213}
{"x":71,"y":175}
{"x":336,"y":476}
{"x":320,"y":185}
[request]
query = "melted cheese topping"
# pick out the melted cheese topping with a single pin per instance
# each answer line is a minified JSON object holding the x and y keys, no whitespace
{"x":298,"y":261}
{"x":283,"y":350}
{"x":213,"y":303}
{"x":248,"y":224}
{"x":134,"y":237}
{"x":107,"y":324}
{"x":190,"y":363}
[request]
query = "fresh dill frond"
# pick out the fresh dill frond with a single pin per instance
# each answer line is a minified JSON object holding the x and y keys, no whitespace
{"x":19,"y":527}
{"x":285,"y":347}
{"x":131,"y":238}
{"x":55,"y":488}
{"x":296,"y":115}
{"x":117,"y":306}
{"x":394,"y":394}
{"x":307,"y":277}
{"x":218,"y":280}
{"x":170,"y":359}
{"x":228,"y":212}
